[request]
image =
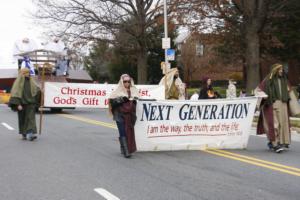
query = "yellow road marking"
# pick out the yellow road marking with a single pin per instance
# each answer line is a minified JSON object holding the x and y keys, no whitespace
{"x":255,"y":159}
{"x":89,"y":121}
{"x":253,"y":163}
{"x":242,"y":158}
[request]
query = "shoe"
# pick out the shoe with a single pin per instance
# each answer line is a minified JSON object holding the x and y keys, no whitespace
{"x":32,"y":138}
{"x":278,"y":149}
{"x":285,"y":146}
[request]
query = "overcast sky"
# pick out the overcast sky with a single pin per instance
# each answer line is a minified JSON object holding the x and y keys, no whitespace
{"x":15,"y":24}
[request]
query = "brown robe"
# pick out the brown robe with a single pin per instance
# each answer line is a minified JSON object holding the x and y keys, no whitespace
{"x":128,"y":110}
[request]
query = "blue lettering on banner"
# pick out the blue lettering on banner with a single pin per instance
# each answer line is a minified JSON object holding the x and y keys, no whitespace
{"x":156,"y":112}
{"x":195,"y":112}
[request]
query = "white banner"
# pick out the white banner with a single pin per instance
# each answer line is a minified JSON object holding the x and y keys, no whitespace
{"x":194,"y":125}
{"x":90,"y":95}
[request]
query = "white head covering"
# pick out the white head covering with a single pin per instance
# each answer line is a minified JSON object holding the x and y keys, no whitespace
{"x":121,"y":91}
{"x":178,"y":82}
{"x":24,"y":45}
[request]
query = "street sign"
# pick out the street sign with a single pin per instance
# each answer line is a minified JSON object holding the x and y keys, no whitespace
{"x":171,"y":54}
{"x":166,"y":43}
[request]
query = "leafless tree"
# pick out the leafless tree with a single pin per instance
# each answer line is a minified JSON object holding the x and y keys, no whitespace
{"x":86,"y":20}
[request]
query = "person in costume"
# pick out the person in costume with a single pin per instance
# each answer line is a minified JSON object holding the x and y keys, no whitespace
{"x":22,"y":46}
{"x":274,"y":115}
{"x":207,"y":91}
{"x":122,"y":105}
{"x":25,"y":96}
{"x":175,"y":88}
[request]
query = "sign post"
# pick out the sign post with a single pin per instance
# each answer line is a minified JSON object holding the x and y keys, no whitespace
{"x":166,"y":43}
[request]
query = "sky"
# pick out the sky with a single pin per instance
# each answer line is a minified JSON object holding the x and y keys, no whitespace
{"x":15,"y":24}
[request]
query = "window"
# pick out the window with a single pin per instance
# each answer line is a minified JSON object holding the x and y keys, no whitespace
{"x":199,"y":49}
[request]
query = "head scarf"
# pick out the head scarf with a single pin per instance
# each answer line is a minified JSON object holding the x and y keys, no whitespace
{"x":204,"y":81}
{"x":273,"y":88}
{"x":274,"y":70}
{"x":18,"y":86}
{"x":121,"y":91}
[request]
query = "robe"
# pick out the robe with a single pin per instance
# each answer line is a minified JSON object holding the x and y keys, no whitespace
{"x":29,"y":101}
{"x":274,"y":121}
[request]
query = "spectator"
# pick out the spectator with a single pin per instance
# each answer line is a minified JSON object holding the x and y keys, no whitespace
{"x":231,"y":91}
{"x":207,"y":91}
{"x":195,"y":96}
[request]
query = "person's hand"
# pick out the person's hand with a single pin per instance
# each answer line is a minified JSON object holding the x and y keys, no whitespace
{"x":20,"y":107}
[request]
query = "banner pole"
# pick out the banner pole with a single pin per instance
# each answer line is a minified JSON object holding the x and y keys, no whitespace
{"x":42,"y":99}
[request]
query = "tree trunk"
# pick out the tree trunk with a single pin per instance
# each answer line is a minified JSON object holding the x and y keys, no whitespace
{"x":142,"y":67}
{"x":252,"y":60}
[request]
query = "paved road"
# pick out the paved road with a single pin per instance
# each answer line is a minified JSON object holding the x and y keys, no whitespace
{"x":73,"y":157}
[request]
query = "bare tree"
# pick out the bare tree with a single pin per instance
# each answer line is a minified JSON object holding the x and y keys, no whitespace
{"x":86,"y":20}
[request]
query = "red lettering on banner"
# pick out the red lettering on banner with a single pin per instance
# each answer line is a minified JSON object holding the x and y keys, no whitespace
{"x":90,"y":101}
{"x":82,"y":91}
{"x":62,"y":91}
{"x":218,"y":129}
{"x":62,"y":101}
{"x":144,"y":93}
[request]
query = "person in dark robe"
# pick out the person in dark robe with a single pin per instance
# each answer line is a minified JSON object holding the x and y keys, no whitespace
{"x":122,"y":105}
{"x":207,"y":91}
{"x":25,"y":96}
{"x":274,"y":115}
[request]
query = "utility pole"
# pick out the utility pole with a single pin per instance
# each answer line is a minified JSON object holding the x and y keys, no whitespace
{"x":166,"y":46}
{"x":166,"y":28}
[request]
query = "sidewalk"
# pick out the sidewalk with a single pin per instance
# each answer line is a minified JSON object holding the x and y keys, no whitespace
{"x":295,"y":134}
{"x":295,"y":123}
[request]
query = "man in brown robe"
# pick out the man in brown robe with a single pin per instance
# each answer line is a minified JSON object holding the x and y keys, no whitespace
{"x":24,"y":99}
{"x":274,"y":115}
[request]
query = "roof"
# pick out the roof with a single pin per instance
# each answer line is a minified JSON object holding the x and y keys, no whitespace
{"x":182,"y":36}
{"x":79,"y":75}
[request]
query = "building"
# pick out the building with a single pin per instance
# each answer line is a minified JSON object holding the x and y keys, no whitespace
{"x":197,"y":58}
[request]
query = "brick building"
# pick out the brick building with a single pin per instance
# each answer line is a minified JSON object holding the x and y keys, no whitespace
{"x":197,"y":58}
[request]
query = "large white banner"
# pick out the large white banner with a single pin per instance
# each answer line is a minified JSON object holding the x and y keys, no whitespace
{"x":90,"y":95}
{"x":194,"y":125}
